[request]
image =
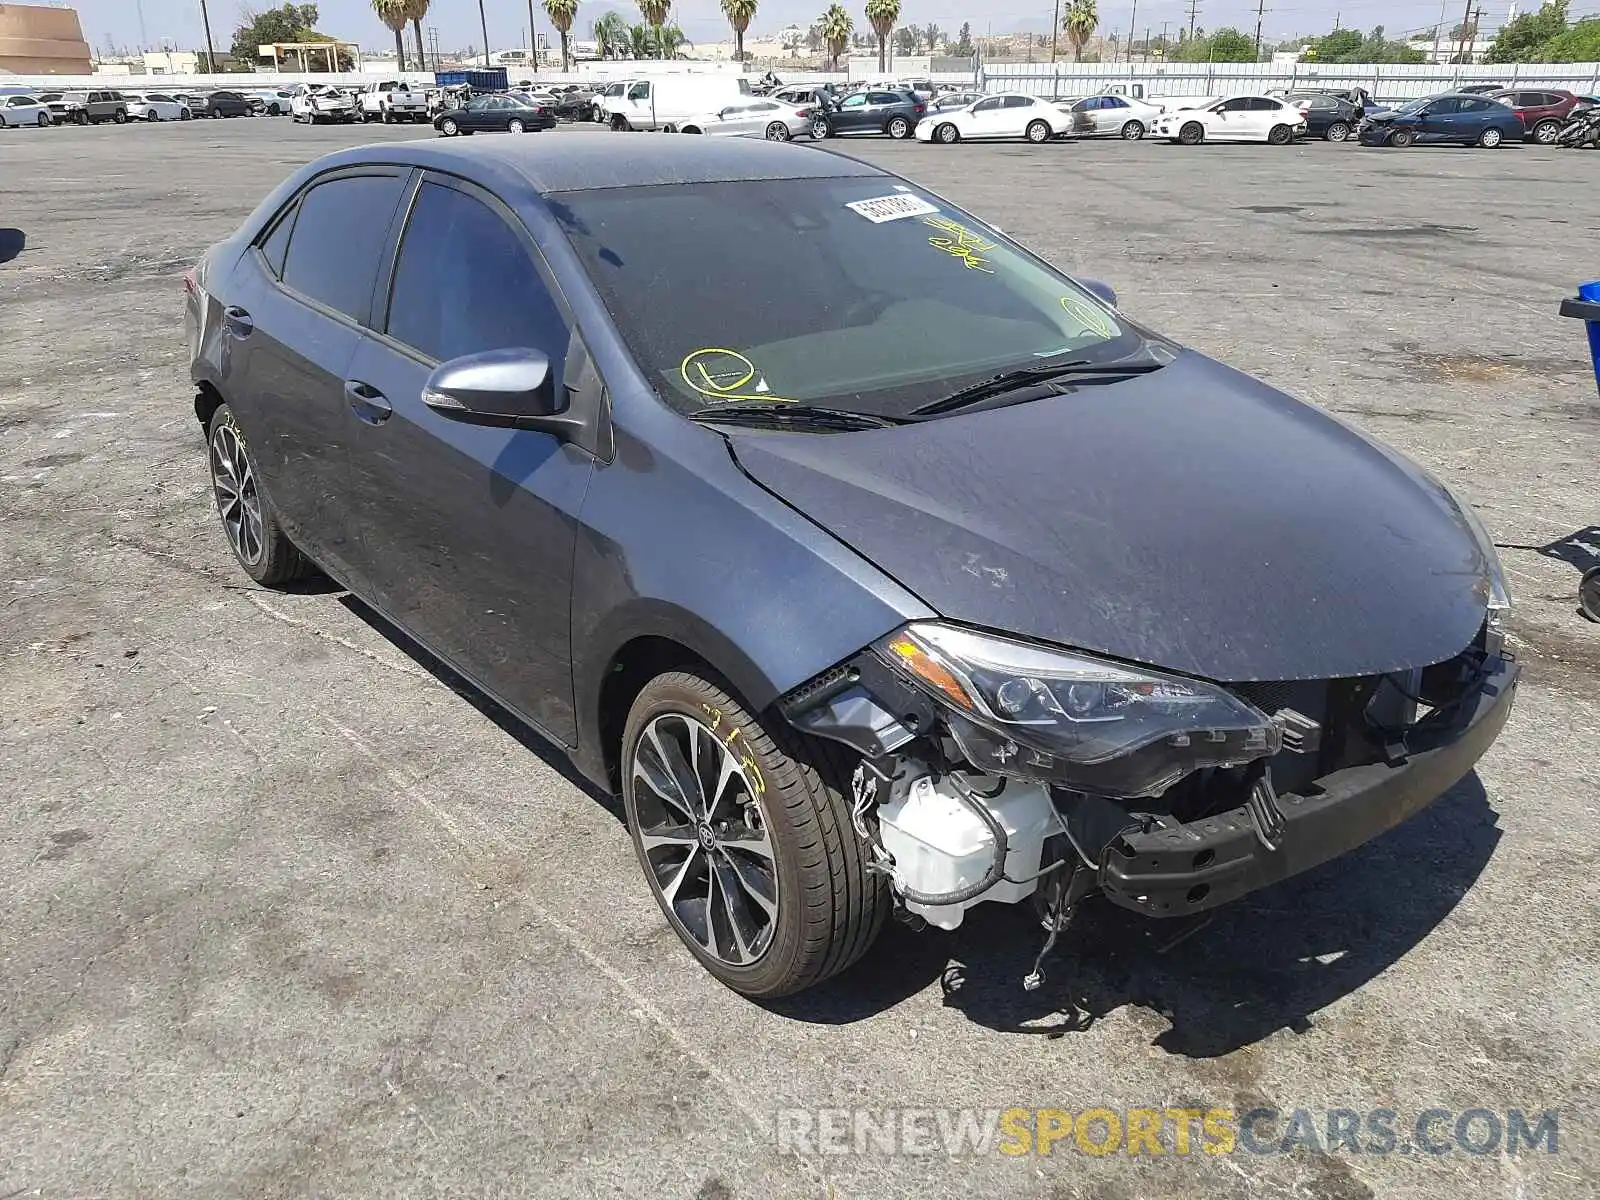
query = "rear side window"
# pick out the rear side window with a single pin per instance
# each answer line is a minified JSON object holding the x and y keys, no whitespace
{"x":1018,"y":102}
{"x":337,"y":238}
{"x":465,"y":283}
{"x":278,"y":241}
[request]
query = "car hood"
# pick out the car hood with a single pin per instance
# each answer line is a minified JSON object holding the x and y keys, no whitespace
{"x":1193,"y":518}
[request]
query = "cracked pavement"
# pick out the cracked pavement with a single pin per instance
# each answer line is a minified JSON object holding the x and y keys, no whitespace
{"x":289,"y":911}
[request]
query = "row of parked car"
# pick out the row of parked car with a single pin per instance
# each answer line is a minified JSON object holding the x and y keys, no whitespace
{"x":384,"y":100}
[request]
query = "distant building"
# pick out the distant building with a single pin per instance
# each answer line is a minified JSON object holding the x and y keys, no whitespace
{"x":35,"y":40}
{"x":171,"y":62}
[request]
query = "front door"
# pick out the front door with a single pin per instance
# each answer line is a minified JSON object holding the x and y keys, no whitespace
{"x":853,"y":114}
{"x":466,"y":533}
{"x":988,"y":116}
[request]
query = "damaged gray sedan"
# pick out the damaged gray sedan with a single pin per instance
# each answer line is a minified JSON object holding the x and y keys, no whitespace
{"x":881,"y":566}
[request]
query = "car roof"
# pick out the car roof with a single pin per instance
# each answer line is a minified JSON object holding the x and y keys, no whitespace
{"x":581,"y":161}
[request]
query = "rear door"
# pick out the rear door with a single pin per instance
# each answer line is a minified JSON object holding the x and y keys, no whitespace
{"x":296,"y":302}
{"x":1015,"y":113}
{"x":467,"y":532}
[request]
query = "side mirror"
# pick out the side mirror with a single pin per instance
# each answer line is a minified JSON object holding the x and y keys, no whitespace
{"x":1102,"y":289}
{"x":507,"y":389}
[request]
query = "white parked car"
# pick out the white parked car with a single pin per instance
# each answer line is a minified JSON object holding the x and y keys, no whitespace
{"x":1112,"y":116}
{"x":320,"y":103}
{"x":275,"y":102}
{"x":1234,"y":119}
{"x":753,"y":117}
{"x":1008,"y":115}
{"x":156,"y":106}
{"x":24,"y":110}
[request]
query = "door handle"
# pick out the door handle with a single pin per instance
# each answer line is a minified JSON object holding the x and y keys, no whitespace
{"x":367,"y":402}
{"x":237,"y":321}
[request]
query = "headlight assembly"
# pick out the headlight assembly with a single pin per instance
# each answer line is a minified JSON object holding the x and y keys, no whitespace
{"x":1032,"y":711}
{"x":1499,"y":598}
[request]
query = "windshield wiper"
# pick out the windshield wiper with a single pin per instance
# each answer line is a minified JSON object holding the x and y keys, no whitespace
{"x":1012,"y":381}
{"x":798,"y":416}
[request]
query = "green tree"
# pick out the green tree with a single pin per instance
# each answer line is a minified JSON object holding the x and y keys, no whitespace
{"x":1581,"y":43}
{"x":285,"y":24}
{"x":1523,"y":38}
{"x":562,"y":14}
{"x":905,"y":40}
{"x":836,"y":28}
{"x":883,"y":15}
{"x":393,"y":14}
{"x":934,"y":36}
{"x":655,"y":13}
{"x":739,"y":13}
{"x":1081,"y":20}
{"x":1230,"y":45}
{"x":416,"y":10}
{"x":964,"y":41}
{"x":610,"y":34}
{"x":1342,"y":45}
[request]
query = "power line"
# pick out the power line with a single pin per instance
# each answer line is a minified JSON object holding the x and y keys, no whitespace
{"x":1194,"y":11}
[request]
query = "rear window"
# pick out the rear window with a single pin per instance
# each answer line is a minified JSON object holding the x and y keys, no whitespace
{"x":333,"y":251}
{"x":855,"y":293}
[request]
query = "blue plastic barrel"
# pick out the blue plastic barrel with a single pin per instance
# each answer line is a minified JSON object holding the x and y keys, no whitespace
{"x":1587,"y":308}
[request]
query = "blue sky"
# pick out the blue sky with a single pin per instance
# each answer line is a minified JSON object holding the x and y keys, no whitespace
{"x":457,"y":20}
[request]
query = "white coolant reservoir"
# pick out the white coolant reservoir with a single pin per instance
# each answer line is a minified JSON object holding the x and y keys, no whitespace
{"x":940,"y":845}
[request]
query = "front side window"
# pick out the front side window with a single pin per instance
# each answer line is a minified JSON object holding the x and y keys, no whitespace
{"x":338,"y":236}
{"x":465,"y":283}
{"x":859,"y":100}
{"x":851,"y":293}
{"x":639,"y":91}
{"x":987,"y":105}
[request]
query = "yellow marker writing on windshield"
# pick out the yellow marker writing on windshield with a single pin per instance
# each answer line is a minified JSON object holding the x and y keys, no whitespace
{"x":962,"y":244}
{"x":1095,"y":319}
{"x":725,"y":375}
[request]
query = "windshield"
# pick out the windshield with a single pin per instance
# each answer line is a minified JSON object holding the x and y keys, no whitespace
{"x":1416,"y":106}
{"x":855,"y":293}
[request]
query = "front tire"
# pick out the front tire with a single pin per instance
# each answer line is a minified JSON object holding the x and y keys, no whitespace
{"x":1038,"y":132}
{"x":1402,"y":138}
{"x":1489,"y":139}
{"x":1338,"y":132}
{"x":947,"y":134}
{"x":899,"y":129}
{"x":254,"y":536}
{"x":449,"y":128}
{"x":821,"y":130}
{"x":1589,"y":594}
{"x":744,"y":835}
{"x":1132,"y":131}
{"x":1192,"y":134}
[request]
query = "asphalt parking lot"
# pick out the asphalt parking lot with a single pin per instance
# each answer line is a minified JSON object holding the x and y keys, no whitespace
{"x":286,"y":913}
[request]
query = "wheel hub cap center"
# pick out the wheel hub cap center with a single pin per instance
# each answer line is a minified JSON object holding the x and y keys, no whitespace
{"x":708,"y":839}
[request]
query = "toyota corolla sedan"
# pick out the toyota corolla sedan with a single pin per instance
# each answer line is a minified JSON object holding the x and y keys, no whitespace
{"x":1009,"y":115}
{"x":942,"y":582}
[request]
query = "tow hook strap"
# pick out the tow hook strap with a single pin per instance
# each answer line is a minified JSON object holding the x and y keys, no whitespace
{"x":1262,"y":805}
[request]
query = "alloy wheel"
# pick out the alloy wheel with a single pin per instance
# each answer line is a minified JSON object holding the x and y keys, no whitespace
{"x":777,"y":132}
{"x":515,"y":127}
{"x":1545,"y":132}
{"x":705,"y":839}
{"x":1490,"y":139}
{"x":238,"y":501}
{"x":1338,"y":131}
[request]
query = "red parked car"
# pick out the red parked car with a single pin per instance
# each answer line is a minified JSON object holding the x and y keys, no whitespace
{"x":1543,"y":110}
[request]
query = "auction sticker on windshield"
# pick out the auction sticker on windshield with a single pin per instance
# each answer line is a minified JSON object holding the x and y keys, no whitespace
{"x":891,"y":208}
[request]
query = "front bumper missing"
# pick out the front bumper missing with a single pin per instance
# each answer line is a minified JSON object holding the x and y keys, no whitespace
{"x":1189,"y":868}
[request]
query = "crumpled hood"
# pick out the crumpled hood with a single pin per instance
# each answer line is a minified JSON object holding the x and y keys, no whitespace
{"x":1193,"y":518}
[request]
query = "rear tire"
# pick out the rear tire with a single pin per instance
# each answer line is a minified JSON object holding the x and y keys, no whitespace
{"x":899,"y":129}
{"x":44,"y":120}
{"x":1545,"y":132}
{"x":515,"y":126}
{"x":1589,"y":594}
{"x":154,"y":116}
{"x":120,"y":117}
{"x":801,"y":899}
{"x":1490,"y":138}
{"x":1192,"y":134}
{"x":1338,"y":132}
{"x":1038,"y":132}
{"x":778,"y":131}
{"x":254,"y":535}
{"x":1280,"y":135}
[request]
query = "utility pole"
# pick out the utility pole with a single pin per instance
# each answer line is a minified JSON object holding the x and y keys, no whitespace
{"x":1438,"y":32}
{"x":1466,"y":32}
{"x":211,"y":54}
{"x":484,"y":22}
{"x":1146,"y":57}
{"x":144,"y":38}
{"x":1131,"y":17}
{"x":1055,"y":29}
{"x":1194,"y":11}
{"x":1261,"y":7}
{"x":1164,"y":54}
{"x":533,"y":38}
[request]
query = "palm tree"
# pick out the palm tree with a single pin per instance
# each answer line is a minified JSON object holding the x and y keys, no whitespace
{"x":415,"y":11}
{"x":1082,"y":19}
{"x":655,"y":13}
{"x":393,"y":14}
{"x":836,"y":28}
{"x":610,"y":34}
{"x":884,"y":15}
{"x":739,"y":13}
{"x":562,"y":14}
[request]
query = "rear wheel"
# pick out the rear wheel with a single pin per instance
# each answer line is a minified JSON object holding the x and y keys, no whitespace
{"x":515,"y":125}
{"x":44,"y":119}
{"x":1402,"y":138}
{"x":1132,"y":131}
{"x":1589,"y":594}
{"x":899,"y":129}
{"x":1038,"y":132}
{"x":153,"y":116}
{"x":185,"y":115}
{"x":1337,"y":132}
{"x":1280,"y":135}
{"x":778,"y":131}
{"x":120,"y":117}
{"x":948,"y":134}
{"x":1489,"y":138}
{"x":254,"y":536}
{"x":1192,"y":134}
{"x":745,"y":838}
{"x":1545,"y":132}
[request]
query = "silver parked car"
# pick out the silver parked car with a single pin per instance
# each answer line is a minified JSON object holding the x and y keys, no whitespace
{"x":753,"y":117}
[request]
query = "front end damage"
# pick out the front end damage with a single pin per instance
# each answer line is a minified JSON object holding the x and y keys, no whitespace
{"x":1000,"y":770}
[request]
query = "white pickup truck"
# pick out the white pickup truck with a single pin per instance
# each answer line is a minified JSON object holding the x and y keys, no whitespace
{"x":393,"y":100}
